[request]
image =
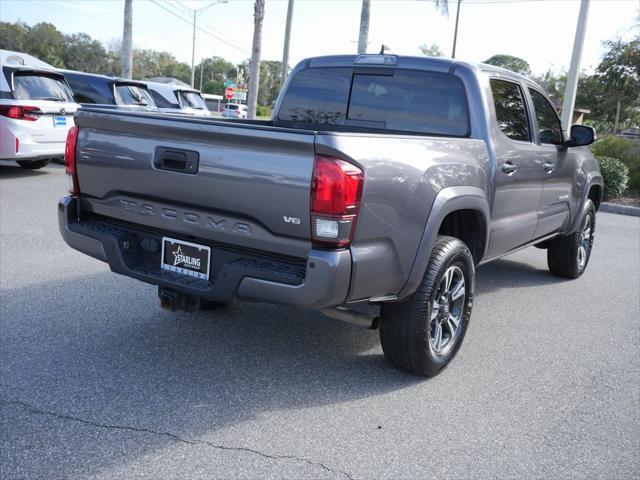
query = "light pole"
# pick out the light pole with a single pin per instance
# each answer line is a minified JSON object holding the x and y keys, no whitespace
{"x":574,"y":68}
{"x":455,"y":34}
{"x":196,"y":13}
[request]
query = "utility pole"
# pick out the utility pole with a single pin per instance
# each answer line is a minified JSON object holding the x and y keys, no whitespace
{"x":574,"y":69}
{"x":202,"y":64}
{"x":193,"y":49}
{"x":126,"y":70}
{"x":196,"y":12}
{"x":455,"y":34}
{"x":363,"y":37}
{"x":287,"y":38}
{"x":254,"y":67}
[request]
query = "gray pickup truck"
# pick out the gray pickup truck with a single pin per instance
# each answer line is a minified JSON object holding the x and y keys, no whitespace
{"x":372,"y":194}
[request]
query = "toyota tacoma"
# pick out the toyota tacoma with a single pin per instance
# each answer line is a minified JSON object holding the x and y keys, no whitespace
{"x":378,"y":186}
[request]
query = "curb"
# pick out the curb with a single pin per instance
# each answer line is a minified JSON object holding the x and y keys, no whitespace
{"x":620,"y":209}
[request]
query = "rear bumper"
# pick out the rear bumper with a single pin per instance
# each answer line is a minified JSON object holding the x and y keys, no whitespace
{"x":33,"y":143}
{"x":319,"y":281}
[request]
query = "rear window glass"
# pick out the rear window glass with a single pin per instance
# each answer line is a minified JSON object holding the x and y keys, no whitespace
{"x":30,"y":86}
{"x":192,"y":100}
{"x":133,"y":95}
{"x":231,"y":106}
{"x":408,"y":101}
{"x":161,"y":101}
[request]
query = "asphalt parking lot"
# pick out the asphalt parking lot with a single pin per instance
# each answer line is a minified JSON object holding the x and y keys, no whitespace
{"x":96,"y":381}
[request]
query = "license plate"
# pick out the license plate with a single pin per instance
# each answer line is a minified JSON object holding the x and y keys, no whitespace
{"x":59,"y":121}
{"x":185,"y":257}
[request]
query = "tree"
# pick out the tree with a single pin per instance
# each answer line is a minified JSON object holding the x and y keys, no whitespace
{"x":256,"y":50}
{"x":127,"y":40}
{"x":363,"y":35}
{"x":432,"y":50}
{"x":270,"y":71}
{"x":216,"y":70}
{"x":46,"y":42}
{"x":619,"y":72}
{"x":13,"y":36}
{"x":510,"y":62}
{"x":85,"y":54}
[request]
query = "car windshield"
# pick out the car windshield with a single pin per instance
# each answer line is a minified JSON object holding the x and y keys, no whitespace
{"x":133,"y":95}
{"x":40,"y":86}
{"x":191,"y":100}
{"x":398,"y":100}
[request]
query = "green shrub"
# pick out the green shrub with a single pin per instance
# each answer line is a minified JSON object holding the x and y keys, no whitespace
{"x":263,"y":111}
{"x":615,"y":175}
{"x":625,"y":150}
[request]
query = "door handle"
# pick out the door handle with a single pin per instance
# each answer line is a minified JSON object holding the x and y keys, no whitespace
{"x":176,"y":160}
{"x":549,"y":167}
{"x":508,"y":167}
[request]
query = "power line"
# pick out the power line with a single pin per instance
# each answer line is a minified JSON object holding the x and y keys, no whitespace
{"x":172,"y":12}
{"x":213,"y":30}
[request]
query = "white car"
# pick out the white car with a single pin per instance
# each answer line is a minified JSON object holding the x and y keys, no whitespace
{"x":171,"y":98}
{"x":234,"y":110}
{"x":36,"y":112}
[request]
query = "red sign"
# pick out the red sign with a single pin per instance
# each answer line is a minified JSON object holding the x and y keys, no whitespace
{"x":229,"y":92}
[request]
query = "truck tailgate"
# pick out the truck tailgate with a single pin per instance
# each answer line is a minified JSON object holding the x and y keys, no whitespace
{"x":243,"y":184}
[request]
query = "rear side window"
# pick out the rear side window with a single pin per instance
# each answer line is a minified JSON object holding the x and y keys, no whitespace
{"x":510,"y":110}
{"x":34,"y":86}
{"x":549,"y":129}
{"x":162,"y":102}
{"x":133,"y":95}
{"x":191,"y":100}
{"x":401,"y":100}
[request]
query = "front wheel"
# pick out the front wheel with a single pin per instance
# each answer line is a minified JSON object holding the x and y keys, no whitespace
{"x":569,"y":256}
{"x":33,"y":164}
{"x":422,"y":334}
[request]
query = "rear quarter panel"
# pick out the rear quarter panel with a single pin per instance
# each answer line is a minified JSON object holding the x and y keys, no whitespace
{"x":403,"y":175}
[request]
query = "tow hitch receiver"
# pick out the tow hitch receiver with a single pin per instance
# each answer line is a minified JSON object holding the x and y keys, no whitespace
{"x":173,"y":300}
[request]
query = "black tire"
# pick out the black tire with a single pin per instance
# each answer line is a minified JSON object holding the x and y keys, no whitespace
{"x":408,"y":331}
{"x":33,"y":164}
{"x":568,"y":256}
{"x":207,"y":305}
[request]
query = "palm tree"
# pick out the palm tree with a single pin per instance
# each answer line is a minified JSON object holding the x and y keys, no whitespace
{"x":254,"y":68}
{"x":363,"y":37}
{"x":127,"y":41}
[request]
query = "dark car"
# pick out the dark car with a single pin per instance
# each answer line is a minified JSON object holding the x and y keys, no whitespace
{"x":89,"y":88}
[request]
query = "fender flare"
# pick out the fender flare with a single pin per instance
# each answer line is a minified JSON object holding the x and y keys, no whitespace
{"x":448,"y":200}
{"x":593,"y":179}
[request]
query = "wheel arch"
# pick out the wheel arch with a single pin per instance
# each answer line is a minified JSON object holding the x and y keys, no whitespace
{"x":452,"y":208}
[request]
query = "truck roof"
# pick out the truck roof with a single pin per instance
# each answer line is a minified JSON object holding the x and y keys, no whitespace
{"x":408,"y":61}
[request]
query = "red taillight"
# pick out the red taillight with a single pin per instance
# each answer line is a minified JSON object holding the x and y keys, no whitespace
{"x":336,"y":192}
{"x":19,"y":112}
{"x":70,"y":160}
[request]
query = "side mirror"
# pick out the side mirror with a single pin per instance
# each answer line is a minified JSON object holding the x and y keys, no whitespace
{"x":581,"y":135}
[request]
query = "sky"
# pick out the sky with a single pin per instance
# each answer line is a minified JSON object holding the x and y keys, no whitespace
{"x":540,"y":31}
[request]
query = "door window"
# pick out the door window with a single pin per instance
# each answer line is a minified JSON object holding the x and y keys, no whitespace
{"x":511,"y":113}
{"x":549,"y":129}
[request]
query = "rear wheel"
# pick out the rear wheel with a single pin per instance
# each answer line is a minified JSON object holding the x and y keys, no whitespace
{"x":33,"y":164}
{"x":422,"y":334}
{"x":568,"y":256}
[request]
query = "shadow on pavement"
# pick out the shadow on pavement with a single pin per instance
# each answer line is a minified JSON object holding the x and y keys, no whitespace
{"x":506,"y":273}
{"x":99,"y":348}
{"x":13,"y":170}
